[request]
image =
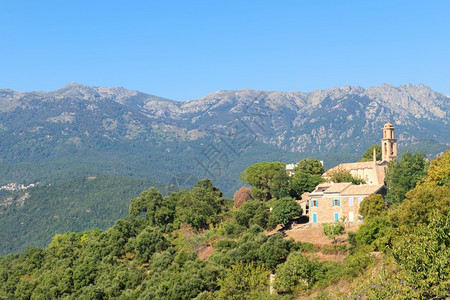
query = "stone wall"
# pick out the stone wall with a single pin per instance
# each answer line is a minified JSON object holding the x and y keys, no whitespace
{"x":325,"y":210}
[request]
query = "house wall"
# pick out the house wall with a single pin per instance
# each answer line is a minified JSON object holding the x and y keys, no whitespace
{"x":325,"y":210}
{"x":304,"y":205}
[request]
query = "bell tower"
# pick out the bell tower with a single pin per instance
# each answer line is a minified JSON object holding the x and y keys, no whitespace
{"x":388,"y":143}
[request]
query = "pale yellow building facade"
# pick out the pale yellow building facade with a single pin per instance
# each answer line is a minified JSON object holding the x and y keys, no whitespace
{"x":330,"y":202}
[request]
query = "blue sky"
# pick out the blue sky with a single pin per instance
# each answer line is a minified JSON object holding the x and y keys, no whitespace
{"x":185,"y":49}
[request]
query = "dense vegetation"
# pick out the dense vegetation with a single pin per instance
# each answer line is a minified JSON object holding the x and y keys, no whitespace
{"x":270,"y":179}
{"x":154,"y":252}
{"x":32,"y":217}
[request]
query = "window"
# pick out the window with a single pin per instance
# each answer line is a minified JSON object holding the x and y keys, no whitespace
{"x":314,"y":203}
{"x":350,"y":216}
{"x":314,"y":218}
{"x":360,"y":200}
{"x":350,"y":201}
{"x":336,"y":202}
{"x":336,"y":217}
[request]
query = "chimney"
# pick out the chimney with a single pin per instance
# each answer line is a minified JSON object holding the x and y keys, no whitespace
{"x":374,"y":155}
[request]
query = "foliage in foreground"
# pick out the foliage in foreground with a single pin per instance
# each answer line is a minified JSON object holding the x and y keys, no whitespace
{"x":152,"y":253}
{"x":402,"y":175}
{"x":416,"y":237}
{"x":332,"y":230}
{"x":342,"y":175}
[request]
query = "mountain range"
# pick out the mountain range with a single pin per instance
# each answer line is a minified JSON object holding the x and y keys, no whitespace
{"x":97,"y":130}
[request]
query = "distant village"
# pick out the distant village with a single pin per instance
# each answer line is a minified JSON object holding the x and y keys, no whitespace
{"x":14,"y":187}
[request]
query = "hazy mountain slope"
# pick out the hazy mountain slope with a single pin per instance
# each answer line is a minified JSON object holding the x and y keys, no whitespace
{"x":33,"y":216}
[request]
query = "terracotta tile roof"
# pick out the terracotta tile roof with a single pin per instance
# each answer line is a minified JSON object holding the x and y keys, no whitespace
{"x":364,"y":189}
{"x":305,"y":196}
{"x":338,"y":187}
{"x":321,"y":187}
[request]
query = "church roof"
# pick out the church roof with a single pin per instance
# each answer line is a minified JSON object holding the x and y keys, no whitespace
{"x":353,"y":166}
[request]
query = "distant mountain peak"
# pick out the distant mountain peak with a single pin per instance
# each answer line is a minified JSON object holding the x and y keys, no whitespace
{"x":74,"y":84}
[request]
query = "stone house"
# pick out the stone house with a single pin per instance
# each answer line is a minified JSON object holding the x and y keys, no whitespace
{"x":331,"y":202}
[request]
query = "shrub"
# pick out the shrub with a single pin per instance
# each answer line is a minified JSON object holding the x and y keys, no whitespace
{"x":374,"y":232}
{"x":305,"y":247}
{"x":243,"y":282}
{"x":149,"y":241}
{"x":252,"y":212}
{"x":334,"y":249}
{"x":351,"y":238}
{"x":285,"y":209}
{"x":342,"y":175}
{"x":332,"y":230}
{"x":298,"y":269}
{"x":274,"y":250}
{"x":372,"y":206}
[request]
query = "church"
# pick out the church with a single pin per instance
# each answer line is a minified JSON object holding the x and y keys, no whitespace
{"x":331,"y":202}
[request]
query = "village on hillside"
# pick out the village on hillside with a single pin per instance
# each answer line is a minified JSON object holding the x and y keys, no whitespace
{"x":332,"y":202}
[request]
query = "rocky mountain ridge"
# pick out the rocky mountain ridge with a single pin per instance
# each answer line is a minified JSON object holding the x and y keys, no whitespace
{"x":323,"y":120}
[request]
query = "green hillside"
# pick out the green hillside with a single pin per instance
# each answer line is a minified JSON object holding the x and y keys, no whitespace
{"x":158,"y":251}
{"x":75,"y":205}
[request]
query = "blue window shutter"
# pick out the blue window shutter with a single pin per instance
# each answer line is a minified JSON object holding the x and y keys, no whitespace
{"x":339,"y":202}
{"x":332,"y":202}
{"x":311,"y":203}
{"x":317,"y":203}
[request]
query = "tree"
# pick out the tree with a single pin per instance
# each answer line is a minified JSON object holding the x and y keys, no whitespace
{"x":260,"y":177}
{"x":402,"y":176}
{"x":438,"y":173}
{"x":419,"y":241}
{"x":342,"y":175}
{"x":433,"y":191}
{"x":149,"y":241}
{"x":424,"y":259}
{"x":368,"y":155}
{"x":241,"y":196}
{"x":372,"y":206}
{"x":157,"y":210}
{"x":298,"y":269}
{"x":303,"y":182}
{"x":285,"y":209}
{"x":280,"y":184}
{"x":202,"y":205}
{"x":243,"y":282}
{"x":332,"y":230}
{"x":274,"y":250}
{"x":310,"y":166}
{"x":375,"y":232}
{"x":252,"y":212}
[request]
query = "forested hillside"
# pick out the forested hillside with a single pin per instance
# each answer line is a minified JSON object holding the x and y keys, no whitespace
{"x":32,"y":217}
{"x":400,"y":251}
